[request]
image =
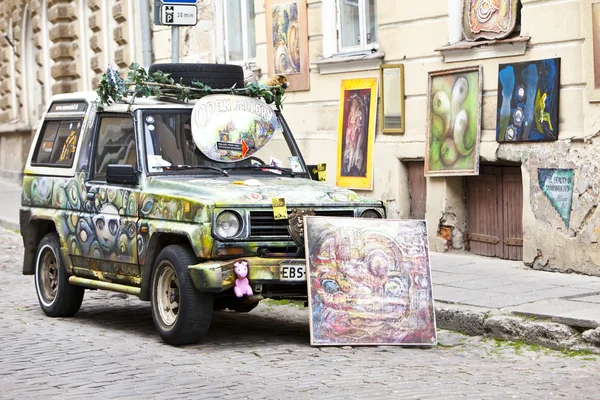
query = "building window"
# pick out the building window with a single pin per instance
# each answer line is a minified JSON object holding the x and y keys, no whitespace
{"x":357,"y":25}
{"x":240,"y":32}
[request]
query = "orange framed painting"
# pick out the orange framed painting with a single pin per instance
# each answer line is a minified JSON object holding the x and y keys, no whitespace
{"x":356,"y":133}
{"x":287,"y":42}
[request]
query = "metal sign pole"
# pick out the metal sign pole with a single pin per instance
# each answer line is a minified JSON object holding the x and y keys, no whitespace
{"x":174,"y":44}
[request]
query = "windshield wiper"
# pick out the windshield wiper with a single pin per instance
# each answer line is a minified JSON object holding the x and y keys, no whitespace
{"x":262,"y":167}
{"x":187,"y":167}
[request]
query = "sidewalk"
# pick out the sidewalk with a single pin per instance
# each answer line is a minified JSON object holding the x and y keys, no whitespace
{"x":483,"y":296}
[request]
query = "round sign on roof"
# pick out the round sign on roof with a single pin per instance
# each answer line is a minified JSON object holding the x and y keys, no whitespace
{"x":228,"y":128}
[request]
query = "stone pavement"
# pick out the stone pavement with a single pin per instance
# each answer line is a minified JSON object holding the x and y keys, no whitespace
{"x":485,"y":296}
{"x":110,"y":350}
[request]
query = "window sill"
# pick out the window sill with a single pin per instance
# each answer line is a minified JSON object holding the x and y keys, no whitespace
{"x":466,"y":51}
{"x":350,"y":63}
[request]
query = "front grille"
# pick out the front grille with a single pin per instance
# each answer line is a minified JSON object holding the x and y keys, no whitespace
{"x":262,"y":223}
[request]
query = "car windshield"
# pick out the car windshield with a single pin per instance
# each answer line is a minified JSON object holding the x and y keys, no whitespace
{"x":170,"y":148}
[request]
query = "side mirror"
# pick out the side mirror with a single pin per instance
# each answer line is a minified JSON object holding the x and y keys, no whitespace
{"x":121,"y":173}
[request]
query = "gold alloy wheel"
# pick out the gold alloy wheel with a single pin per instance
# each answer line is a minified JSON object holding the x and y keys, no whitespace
{"x":167,"y":293}
{"x":48,"y":275}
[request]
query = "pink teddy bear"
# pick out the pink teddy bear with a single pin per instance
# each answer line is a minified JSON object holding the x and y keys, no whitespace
{"x":242,"y":287}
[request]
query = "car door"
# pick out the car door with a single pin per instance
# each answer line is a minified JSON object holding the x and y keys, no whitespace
{"x":109,"y":223}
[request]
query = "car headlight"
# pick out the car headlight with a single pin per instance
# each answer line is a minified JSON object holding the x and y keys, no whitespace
{"x":370,"y":214}
{"x":228,"y":224}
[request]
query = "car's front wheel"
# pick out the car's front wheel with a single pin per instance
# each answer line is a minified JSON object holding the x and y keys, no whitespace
{"x":181,"y":314}
{"x":57,"y":297}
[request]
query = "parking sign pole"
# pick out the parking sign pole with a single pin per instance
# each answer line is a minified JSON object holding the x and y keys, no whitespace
{"x":174,"y":44}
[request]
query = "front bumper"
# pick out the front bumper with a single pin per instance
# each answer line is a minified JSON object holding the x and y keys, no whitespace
{"x":217,"y":276}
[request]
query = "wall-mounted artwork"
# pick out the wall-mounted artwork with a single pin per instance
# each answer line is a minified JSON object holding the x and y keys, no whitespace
{"x":592,"y":43}
{"x":489,"y":19}
{"x":391,"y":79}
{"x":356,"y":133}
{"x":369,"y":282}
{"x":557,"y":185}
{"x":528,"y":101}
{"x":287,"y":42}
{"x":453,"y":122}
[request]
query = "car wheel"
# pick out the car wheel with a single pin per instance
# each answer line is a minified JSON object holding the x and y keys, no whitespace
{"x":57,"y":297}
{"x":181,"y":314}
{"x":217,"y":76}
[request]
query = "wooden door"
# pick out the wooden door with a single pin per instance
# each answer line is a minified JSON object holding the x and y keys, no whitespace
{"x":494,"y":212}
{"x":418,"y":189}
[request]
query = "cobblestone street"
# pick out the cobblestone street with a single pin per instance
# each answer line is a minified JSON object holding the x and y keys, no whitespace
{"x":110,"y":350}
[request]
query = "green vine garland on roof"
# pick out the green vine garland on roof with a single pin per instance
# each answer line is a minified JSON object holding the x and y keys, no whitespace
{"x":139,"y":83}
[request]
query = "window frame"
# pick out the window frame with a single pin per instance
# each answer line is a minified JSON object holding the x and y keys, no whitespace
{"x":96,"y":135}
{"x":245,"y":17}
{"x":362,"y":22}
{"x":40,"y":139}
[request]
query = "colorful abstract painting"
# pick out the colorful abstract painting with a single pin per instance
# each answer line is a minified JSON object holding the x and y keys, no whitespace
{"x":528,"y":101}
{"x":489,"y":19}
{"x":369,"y":282}
{"x":356,"y":132}
{"x":557,"y":185}
{"x":287,"y":46}
{"x":453,"y":122}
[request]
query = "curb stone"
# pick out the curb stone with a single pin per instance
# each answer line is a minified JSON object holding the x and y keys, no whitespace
{"x":6,"y":224}
{"x":482,"y":322}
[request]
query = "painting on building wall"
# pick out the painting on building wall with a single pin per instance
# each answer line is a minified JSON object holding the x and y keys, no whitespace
{"x":489,"y":19}
{"x":557,"y":185}
{"x":369,"y":282}
{"x":528,"y":101}
{"x":287,"y":41}
{"x":356,"y":132}
{"x":453,"y":122}
{"x":592,"y":24}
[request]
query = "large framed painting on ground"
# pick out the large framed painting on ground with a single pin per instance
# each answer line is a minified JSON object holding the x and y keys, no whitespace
{"x":591,"y":15}
{"x":356,"y":133}
{"x":369,"y":282}
{"x":453,"y":122}
{"x":287,"y":42}
{"x":528,"y":101}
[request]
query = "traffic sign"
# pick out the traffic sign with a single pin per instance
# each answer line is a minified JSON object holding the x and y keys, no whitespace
{"x":179,"y":14}
{"x":180,"y":1}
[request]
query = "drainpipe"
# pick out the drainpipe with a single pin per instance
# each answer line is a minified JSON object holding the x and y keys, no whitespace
{"x":146,"y":34}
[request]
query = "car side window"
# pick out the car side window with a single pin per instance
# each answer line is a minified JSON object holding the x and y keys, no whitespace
{"x":115,"y":144}
{"x":57,"y":143}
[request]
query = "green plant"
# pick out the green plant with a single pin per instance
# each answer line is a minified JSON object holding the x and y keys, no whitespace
{"x":139,"y":83}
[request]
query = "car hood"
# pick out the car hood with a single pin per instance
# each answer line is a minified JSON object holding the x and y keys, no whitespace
{"x":244,"y":191}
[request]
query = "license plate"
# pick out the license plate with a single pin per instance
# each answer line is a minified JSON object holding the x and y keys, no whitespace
{"x":293,"y":272}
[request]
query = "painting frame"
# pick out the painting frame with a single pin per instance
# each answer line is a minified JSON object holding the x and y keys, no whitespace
{"x":354,"y":156}
{"x":390,"y":257}
{"x":527,"y":103}
{"x":492,"y":27}
{"x":592,"y":48}
{"x":278,"y":46}
{"x":383,"y":92}
{"x":429,"y":142}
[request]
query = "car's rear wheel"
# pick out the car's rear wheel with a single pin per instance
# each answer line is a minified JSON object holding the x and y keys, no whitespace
{"x":217,"y":76}
{"x":181,"y":314}
{"x":57,"y":297}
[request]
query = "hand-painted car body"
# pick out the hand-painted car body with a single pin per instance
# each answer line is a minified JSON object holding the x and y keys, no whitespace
{"x":111,"y":232}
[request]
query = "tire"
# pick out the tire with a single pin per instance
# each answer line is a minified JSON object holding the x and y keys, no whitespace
{"x":217,"y":76}
{"x":181,"y":314}
{"x":57,"y":297}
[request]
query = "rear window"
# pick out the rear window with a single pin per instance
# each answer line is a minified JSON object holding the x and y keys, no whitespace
{"x":57,"y":143}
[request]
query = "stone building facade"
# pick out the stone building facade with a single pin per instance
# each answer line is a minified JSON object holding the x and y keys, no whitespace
{"x":56,"y":46}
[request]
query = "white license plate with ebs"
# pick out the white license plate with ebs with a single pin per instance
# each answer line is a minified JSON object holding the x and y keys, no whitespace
{"x":293,"y":272}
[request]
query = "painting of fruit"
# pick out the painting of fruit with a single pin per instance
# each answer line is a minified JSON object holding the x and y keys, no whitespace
{"x":453,"y":122}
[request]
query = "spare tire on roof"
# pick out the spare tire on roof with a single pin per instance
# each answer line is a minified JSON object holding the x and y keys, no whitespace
{"x":217,"y":76}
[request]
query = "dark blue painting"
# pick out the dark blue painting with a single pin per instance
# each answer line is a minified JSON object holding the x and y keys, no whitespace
{"x":528,"y":101}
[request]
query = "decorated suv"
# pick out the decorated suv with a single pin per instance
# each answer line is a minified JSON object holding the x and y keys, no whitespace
{"x":194,"y":206}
